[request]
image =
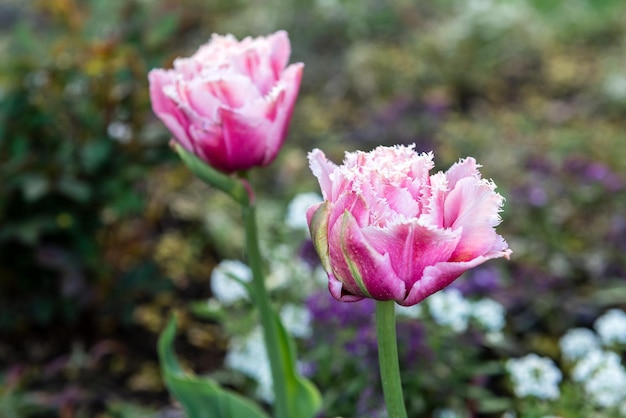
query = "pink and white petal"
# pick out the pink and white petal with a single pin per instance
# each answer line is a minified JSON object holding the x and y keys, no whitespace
{"x":253,"y":63}
{"x":280,"y":104}
{"x":338,"y":291}
{"x":434,"y":201}
{"x":168,"y":110}
{"x":466,"y":167}
{"x":354,"y":204}
{"x":474,"y":207}
{"x":412,"y":247}
{"x":441,"y":275}
{"x":401,"y":201}
{"x":245,"y":137}
{"x":209,"y":145}
{"x":234,"y":91}
{"x":280,"y":52}
{"x":363,"y":270}
{"x":322,"y":168}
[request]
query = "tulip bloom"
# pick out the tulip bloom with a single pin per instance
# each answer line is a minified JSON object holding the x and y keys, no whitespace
{"x":389,"y":230}
{"x":231,"y":102}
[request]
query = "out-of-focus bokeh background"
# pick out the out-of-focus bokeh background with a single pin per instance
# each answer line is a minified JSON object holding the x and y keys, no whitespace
{"x":103,"y":232}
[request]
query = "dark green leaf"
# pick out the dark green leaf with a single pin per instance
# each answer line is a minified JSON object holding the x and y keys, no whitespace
{"x":200,"y":398}
{"x":304,"y":398}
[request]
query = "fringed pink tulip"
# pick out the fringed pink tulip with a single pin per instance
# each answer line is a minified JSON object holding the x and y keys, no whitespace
{"x":389,"y":230}
{"x":231,"y":102}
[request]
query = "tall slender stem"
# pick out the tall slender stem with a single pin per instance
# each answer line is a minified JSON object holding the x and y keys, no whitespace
{"x":262,"y":301}
{"x":388,"y":358}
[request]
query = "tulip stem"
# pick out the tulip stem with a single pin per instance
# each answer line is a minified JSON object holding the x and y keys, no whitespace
{"x":268,"y":317}
{"x":388,"y":358}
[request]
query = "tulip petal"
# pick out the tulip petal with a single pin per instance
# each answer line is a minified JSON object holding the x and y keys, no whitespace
{"x":207,"y":95}
{"x":244,"y":138}
{"x":322,"y":168}
{"x":166,"y":109}
{"x":413,"y":247}
{"x":317,"y":218}
{"x":474,"y":207}
{"x":262,"y":59}
{"x":337,"y":290}
{"x":280,"y":106}
{"x":466,"y":167}
{"x":441,"y":275}
{"x":281,"y":50}
{"x":362,"y":270}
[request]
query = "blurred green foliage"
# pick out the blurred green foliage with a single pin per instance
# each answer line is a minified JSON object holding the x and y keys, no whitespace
{"x":75,"y":148}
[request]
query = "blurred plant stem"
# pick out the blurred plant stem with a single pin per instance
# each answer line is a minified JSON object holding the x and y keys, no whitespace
{"x":388,"y":358}
{"x":262,"y":301}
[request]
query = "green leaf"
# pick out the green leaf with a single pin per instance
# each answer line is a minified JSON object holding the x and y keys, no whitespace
{"x":163,"y":31}
{"x":303,"y":397}
{"x":74,"y":189}
{"x":94,"y":154}
{"x":200,"y":398}
{"x":232,"y":186}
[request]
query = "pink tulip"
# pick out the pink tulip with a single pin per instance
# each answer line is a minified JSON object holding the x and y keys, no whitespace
{"x":231,"y":102}
{"x":389,"y":230}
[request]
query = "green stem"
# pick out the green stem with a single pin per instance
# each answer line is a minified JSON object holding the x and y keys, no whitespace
{"x":262,"y":301}
{"x":388,"y":358}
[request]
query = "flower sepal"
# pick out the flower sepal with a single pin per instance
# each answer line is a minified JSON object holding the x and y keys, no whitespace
{"x":235,"y":187}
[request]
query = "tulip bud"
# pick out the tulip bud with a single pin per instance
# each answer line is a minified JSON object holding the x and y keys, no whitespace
{"x":231,"y":102}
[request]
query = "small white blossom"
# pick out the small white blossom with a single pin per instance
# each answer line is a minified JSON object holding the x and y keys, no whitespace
{"x":446,"y":413}
{"x":297,"y":320}
{"x":534,"y":376}
{"x":611,"y":327}
{"x":594,"y":361}
{"x":450,"y":308}
{"x":615,"y":87}
{"x":320,"y":277}
{"x":577,"y":343}
{"x":120,"y":131}
{"x":296,"y":211}
{"x":286,"y":269}
{"x":607,"y":387}
{"x":265,"y":388}
{"x":489,"y":314}
{"x":226,"y":280}
{"x":248,"y":355}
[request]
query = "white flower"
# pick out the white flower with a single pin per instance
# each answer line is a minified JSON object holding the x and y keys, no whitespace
{"x":615,"y":87}
{"x":297,"y":320}
{"x":296,"y":211}
{"x":611,"y":327}
{"x":607,"y":387}
{"x":534,"y":376}
{"x":226,"y":280}
{"x":594,"y":361}
{"x":446,"y":413}
{"x":489,"y":314}
{"x":287,"y":269}
{"x":248,"y":355}
{"x":577,"y":343}
{"x":320,"y":277}
{"x":450,"y":308}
